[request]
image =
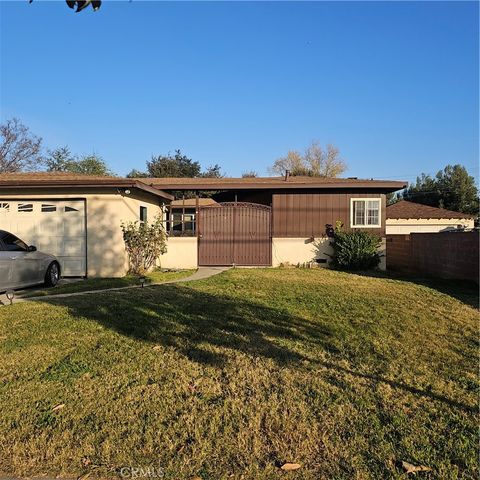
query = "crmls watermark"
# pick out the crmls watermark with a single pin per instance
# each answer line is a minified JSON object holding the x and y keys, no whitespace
{"x":148,"y":471}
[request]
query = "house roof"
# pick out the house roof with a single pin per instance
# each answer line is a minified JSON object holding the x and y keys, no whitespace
{"x":156,"y":185}
{"x":262,"y":183}
{"x":65,"y":179}
{"x":406,"y":209}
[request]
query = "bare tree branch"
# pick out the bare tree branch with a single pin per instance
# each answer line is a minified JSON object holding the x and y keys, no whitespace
{"x":19,"y":149}
{"x":316,"y":162}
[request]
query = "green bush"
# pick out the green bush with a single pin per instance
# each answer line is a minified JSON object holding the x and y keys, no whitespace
{"x":357,"y":250}
{"x":144,"y":243}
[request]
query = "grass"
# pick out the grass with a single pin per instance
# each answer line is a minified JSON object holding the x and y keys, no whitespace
{"x":104,"y":283}
{"x":229,"y":377}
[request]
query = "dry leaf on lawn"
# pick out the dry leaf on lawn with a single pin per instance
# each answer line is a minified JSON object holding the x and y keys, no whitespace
{"x":157,"y":347}
{"x":410,"y":468}
{"x":290,"y":466}
{"x":58,"y":407}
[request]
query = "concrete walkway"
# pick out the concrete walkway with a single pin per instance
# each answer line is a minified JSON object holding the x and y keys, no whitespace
{"x":201,"y":274}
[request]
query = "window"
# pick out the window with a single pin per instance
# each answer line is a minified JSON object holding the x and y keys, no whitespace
{"x":4,"y":206}
{"x":143,"y":214}
{"x":365,"y":212}
{"x":25,"y":207}
{"x":181,"y":222}
{"x":11,"y":243}
{"x":71,"y":209}
{"x":48,"y":208}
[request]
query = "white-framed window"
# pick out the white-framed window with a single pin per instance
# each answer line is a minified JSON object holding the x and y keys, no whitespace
{"x":365,"y":212}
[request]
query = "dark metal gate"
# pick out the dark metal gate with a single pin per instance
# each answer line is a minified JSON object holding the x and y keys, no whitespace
{"x":234,"y":233}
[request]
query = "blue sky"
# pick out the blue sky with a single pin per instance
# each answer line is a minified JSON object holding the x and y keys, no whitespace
{"x":393,"y":84}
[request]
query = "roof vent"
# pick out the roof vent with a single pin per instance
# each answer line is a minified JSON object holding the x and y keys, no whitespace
{"x":287,"y":175}
{"x":352,"y":178}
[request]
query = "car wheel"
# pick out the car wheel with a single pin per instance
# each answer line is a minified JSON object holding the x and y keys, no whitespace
{"x":53,"y":274}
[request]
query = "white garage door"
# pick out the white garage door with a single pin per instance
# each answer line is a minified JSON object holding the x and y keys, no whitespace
{"x":53,"y":226}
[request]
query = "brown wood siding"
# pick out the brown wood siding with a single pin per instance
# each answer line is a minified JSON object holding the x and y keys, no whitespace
{"x":307,"y":214}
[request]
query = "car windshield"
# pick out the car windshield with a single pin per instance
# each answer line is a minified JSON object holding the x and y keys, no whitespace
{"x":11,"y":243}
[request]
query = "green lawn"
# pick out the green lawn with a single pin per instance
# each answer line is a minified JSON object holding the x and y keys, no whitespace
{"x":230,"y":377}
{"x":103,"y":283}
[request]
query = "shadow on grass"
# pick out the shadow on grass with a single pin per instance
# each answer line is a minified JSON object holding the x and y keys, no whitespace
{"x":207,"y":328}
{"x":463,"y":290}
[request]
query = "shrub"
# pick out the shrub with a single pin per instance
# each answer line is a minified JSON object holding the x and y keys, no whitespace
{"x":357,"y":250}
{"x":144,"y":243}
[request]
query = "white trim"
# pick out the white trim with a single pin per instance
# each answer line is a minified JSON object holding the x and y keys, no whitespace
{"x":366,"y":199}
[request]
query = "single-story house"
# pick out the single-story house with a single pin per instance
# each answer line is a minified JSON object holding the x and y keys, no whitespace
{"x":406,"y":217}
{"x":242,"y":221}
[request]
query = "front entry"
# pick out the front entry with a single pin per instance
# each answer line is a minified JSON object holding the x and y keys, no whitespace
{"x":234,"y":233}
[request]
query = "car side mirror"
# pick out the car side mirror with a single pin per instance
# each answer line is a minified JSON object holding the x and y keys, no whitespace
{"x":32,"y":248}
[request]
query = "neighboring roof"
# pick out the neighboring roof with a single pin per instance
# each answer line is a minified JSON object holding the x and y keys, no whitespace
{"x":406,"y":209}
{"x":192,"y":202}
{"x":256,"y":183}
{"x":66,"y":179}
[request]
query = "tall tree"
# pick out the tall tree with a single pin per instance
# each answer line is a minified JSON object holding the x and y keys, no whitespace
{"x":293,"y":162}
{"x":91,"y":165}
{"x":59,"y":160}
{"x":214,"y":171}
{"x":393,"y":197}
{"x":457,"y":189}
{"x":177,"y":165}
{"x":20,"y":150}
{"x":424,"y":191}
{"x":134,"y":173}
{"x":452,"y":188}
{"x":62,"y":160}
{"x":315,"y":162}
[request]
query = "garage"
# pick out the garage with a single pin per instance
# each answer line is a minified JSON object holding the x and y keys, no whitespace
{"x":54,"y":226}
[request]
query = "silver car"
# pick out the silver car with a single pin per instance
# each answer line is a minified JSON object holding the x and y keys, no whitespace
{"x":22,"y":265}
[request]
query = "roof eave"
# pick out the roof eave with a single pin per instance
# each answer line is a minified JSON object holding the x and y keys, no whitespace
{"x":153,"y":190}
{"x":11,"y":185}
{"x":386,"y":187}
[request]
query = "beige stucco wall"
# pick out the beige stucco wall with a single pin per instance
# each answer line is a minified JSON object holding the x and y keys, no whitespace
{"x":182,"y":252}
{"x":302,"y":250}
{"x":404,"y":226}
{"x":299,"y":250}
{"x":106,"y":209}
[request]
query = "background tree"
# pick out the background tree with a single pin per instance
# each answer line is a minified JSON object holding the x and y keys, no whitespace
{"x":81,"y":4}
{"x":177,"y":165}
{"x":62,"y":160}
{"x":293,"y":162}
{"x":59,"y":160}
{"x":136,"y":174}
{"x":250,"y":174}
{"x":452,"y":188}
{"x":214,"y":171}
{"x":393,"y":198}
{"x":457,"y":189}
{"x":424,"y":191}
{"x":315,"y":162}
{"x":20,"y":150}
